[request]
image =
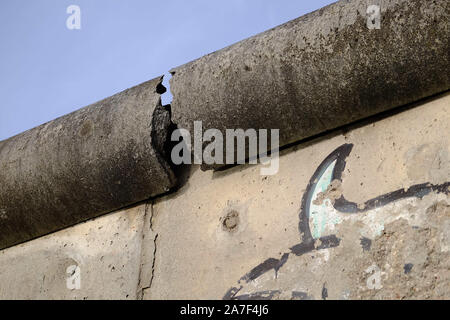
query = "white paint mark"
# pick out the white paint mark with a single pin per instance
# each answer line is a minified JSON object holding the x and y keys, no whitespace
{"x":73,"y":282}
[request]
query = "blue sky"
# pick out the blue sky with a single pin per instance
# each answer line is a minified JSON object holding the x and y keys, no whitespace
{"x":47,"y":70}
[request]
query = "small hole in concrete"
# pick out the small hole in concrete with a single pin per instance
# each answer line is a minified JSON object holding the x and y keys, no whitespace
{"x":231,"y":221}
{"x":408,"y":267}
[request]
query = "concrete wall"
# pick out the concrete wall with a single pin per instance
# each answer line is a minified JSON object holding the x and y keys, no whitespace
{"x":363,"y":212}
{"x":326,"y":69}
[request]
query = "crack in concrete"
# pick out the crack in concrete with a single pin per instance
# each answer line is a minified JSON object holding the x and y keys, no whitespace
{"x":153,"y":266}
{"x":145,"y":279}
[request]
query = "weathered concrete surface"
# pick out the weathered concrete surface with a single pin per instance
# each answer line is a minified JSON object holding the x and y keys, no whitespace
{"x":320,"y":71}
{"x":106,"y":250}
{"x":236,"y":234}
{"x":98,"y":159}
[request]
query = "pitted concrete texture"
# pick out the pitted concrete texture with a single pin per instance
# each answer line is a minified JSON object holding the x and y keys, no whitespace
{"x":384,"y":236}
{"x":320,"y":71}
{"x":362,"y":213}
{"x":413,"y":256}
{"x":91,"y":162}
{"x":313,"y":74}
{"x":103,"y":254}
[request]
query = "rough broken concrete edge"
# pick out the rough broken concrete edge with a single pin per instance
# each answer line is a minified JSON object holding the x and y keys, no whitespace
{"x":161,"y":127}
{"x":150,"y":242}
{"x":162,"y":118}
{"x":160,"y":138}
{"x":148,"y":251}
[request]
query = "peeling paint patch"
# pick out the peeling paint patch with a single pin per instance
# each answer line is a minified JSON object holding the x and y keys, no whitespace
{"x":319,"y":216}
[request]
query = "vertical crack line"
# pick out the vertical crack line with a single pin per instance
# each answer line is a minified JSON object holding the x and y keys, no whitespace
{"x":153,"y":264}
{"x":148,"y":252}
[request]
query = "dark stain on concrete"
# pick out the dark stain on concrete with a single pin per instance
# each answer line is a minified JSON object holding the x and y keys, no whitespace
{"x":324,"y":292}
{"x":366,"y":243}
{"x":408,"y":267}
